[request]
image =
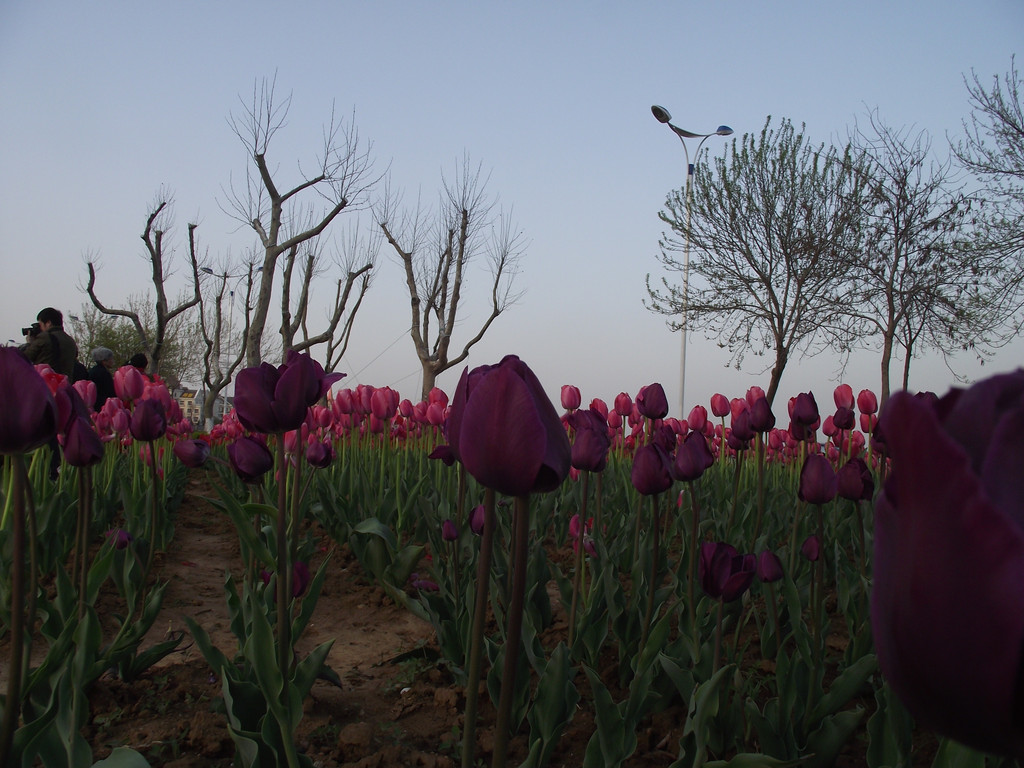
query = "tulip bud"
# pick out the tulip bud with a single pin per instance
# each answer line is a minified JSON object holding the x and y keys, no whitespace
{"x":192,"y":453}
{"x":28,"y":418}
{"x":82,"y":446}
{"x":854,"y":481}
{"x":652,"y":402}
{"x":817,"y":480}
{"x":476,"y":520}
{"x":769,"y":567}
{"x":448,"y":530}
{"x":623,"y":404}
{"x":720,"y":406}
{"x":867,"y":402}
{"x":119,"y":537}
{"x":571,"y":397}
{"x":320,"y":454}
{"x":811,"y":548}
{"x":650,"y":473}
{"x":148,"y":422}
{"x":843,"y":396}
{"x":250,"y":458}
{"x":301,"y":578}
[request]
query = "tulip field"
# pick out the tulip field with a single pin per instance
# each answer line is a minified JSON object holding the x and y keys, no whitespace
{"x":754,"y":578}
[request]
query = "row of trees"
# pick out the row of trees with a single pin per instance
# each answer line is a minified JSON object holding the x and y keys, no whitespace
{"x":227,"y":308}
{"x":800,"y":248}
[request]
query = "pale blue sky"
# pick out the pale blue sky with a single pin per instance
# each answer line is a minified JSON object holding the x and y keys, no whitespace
{"x":104,"y":103}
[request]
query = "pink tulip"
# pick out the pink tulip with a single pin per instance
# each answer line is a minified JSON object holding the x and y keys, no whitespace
{"x":843,"y":396}
{"x":571,"y":397}
{"x":720,"y":406}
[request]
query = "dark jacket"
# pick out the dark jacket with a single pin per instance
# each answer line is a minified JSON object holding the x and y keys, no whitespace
{"x":54,"y":348}
{"x":100,"y":375}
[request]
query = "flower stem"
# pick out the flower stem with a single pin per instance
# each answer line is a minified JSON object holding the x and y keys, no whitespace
{"x":577,"y":576}
{"x":483,"y":581}
{"x":653,"y":586}
{"x":514,"y":635}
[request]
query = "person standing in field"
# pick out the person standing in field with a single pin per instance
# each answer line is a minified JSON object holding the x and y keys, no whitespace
{"x":53,"y":346}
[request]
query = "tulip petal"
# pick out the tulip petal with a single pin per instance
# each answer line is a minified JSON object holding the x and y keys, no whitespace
{"x":947,"y":604}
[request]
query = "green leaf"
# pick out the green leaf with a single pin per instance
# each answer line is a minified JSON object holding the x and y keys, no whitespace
{"x":123,"y":757}
{"x":952,"y":754}
{"x":845,"y":687}
{"x":825,"y":743}
{"x":751,"y":760}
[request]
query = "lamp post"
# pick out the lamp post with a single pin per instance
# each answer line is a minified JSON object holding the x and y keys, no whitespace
{"x":662,"y":115}
{"x":231,"y":321}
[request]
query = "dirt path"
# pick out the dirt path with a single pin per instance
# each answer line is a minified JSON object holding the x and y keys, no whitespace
{"x":387,"y":712}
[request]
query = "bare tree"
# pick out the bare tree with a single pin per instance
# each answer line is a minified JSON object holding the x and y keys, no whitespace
{"x":772,"y":231}
{"x":918,"y":287}
{"x":282,"y":222}
{"x":224,"y":345}
{"x":993,"y":150}
{"x":436,"y":248}
{"x":152,"y":340}
{"x":295,"y":321}
{"x":179,"y":361}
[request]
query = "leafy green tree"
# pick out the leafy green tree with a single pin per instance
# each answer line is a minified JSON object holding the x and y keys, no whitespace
{"x":773,"y":227}
{"x":91,"y":329}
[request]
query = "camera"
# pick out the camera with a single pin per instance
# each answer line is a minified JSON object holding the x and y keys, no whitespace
{"x":32,"y":331}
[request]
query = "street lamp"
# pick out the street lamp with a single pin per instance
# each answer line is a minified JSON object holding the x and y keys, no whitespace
{"x":662,"y":115}
{"x":231,"y":322}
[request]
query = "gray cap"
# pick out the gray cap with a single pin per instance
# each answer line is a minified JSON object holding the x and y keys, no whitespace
{"x":102,"y":353}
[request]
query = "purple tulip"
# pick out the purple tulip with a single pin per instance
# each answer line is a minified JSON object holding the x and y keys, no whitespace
{"x":274,"y":400}
{"x":148,"y":422}
{"x":120,"y":538}
{"x":652,"y":402}
{"x":423,"y":585}
{"x":811,"y":548}
{"x":320,"y":454}
{"x":82,"y":446}
{"x":947,"y":607}
{"x":854,"y":480}
{"x":692,"y":458}
{"x":844,"y":418}
{"x":444,"y":453}
{"x":448,"y":530}
{"x":28,"y":414}
{"x":724,"y":573}
{"x":301,"y":577}
{"x":817,"y":480}
{"x":761,"y":417}
{"x":476,"y":519}
{"x":804,"y":410}
{"x":741,"y":430}
{"x":505,"y":430}
{"x":192,"y":453}
{"x":591,"y":442}
{"x":650,"y":475}
{"x":250,"y":458}
{"x":769,"y":567}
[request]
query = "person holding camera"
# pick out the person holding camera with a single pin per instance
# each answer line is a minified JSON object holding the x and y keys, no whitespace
{"x":52,"y":345}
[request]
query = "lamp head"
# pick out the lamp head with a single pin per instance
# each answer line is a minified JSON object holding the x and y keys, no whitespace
{"x":207,"y":270}
{"x":724,"y":130}
{"x":661,"y":114}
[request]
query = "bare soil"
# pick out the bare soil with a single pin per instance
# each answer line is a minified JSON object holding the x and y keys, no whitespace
{"x":396,"y":705}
